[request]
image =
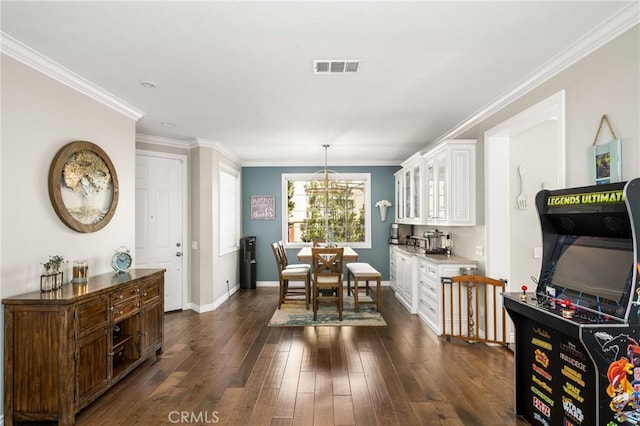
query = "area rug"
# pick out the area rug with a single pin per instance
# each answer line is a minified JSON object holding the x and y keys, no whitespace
{"x":296,"y":315}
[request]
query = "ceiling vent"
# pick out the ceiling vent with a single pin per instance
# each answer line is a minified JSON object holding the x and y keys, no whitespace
{"x":336,"y":66}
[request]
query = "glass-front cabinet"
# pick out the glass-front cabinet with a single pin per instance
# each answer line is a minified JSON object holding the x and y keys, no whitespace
{"x":438,"y":187}
{"x":450,"y":184}
{"x":399,"y":187}
{"x":437,"y":199}
{"x":410,"y":191}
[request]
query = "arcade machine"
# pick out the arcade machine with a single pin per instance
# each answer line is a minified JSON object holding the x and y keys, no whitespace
{"x":577,"y":355}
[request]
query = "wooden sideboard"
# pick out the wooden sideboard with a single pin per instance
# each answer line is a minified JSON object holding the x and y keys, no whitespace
{"x":65,"y":348}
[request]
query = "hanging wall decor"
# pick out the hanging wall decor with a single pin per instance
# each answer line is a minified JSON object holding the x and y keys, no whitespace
{"x":263,"y":207}
{"x":604,"y":159}
{"x":83,"y":186}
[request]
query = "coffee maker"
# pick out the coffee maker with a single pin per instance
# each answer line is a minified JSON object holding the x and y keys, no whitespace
{"x":436,"y":242}
{"x":399,"y":233}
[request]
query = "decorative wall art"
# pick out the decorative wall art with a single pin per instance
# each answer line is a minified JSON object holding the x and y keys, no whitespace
{"x":83,"y":186}
{"x":604,"y":159}
{"x":263,"y":207}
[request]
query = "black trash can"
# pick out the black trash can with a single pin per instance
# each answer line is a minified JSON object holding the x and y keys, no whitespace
{"x":248,"y":262}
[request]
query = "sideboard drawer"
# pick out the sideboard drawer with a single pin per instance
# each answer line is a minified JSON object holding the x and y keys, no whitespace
{"x":150,"y":293}
{"x":126,"y":293}
{"x":125,"y":309}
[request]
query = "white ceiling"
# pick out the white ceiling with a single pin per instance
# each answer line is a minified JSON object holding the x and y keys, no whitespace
{"x":240,"y":74}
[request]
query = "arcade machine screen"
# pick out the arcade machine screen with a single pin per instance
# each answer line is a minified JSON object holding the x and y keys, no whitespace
{"x":593,"y":273}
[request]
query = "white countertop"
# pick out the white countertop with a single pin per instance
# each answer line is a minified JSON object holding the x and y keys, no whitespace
{"x":441,"y":259}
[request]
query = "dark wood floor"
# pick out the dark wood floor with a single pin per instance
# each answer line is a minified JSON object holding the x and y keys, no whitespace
{"x":228,"y":367}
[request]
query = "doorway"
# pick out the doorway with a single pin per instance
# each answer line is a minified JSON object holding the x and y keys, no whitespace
{"x":523,"y":155}
{"x":161,"y":218}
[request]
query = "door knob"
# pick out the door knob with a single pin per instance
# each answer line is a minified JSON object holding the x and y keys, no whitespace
{"x":178,"y":254}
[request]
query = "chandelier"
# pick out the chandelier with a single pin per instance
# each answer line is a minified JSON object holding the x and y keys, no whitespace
{"x":330,"y":184}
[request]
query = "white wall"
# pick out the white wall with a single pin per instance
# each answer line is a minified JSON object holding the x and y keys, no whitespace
{"x":529,"y":148}
{"x":209,"y":270}
{"x":604,"y":82}
{"x":39,"y":116}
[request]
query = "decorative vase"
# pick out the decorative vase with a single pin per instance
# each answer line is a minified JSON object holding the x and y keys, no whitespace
{"x":383,"y":213}
{"x":46,"y":281}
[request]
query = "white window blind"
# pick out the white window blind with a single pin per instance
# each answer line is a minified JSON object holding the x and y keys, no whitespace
{"x":229,"y":210}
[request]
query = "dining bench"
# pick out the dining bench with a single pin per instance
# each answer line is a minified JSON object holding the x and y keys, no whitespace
{"x":362,"y":271}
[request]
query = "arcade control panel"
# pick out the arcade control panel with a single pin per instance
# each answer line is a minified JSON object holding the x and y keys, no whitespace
{"x":565,"y":309}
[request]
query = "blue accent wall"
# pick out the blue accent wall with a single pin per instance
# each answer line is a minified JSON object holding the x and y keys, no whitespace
{"x":268,"y":181}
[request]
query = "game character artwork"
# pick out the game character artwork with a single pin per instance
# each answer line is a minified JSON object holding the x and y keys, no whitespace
{"x":623,"y":374}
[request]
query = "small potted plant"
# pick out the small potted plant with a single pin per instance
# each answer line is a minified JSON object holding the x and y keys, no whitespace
{"x":55,"y":261}
{"x":53,"y":277}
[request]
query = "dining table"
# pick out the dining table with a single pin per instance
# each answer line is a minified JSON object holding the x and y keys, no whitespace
{"x":349,"y":255}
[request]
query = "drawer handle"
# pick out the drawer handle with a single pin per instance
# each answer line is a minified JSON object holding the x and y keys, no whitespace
{"x":110,"y":354}
{"x":111,"y":308}
{"x":121,"y":296}
{"x":144,"y":294}
{"x":433,"y":271}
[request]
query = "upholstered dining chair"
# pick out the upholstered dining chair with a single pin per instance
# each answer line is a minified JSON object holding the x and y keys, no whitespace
{"x":289,"y":291}
{"x":285,"y":260}
{"x":327,"y":275}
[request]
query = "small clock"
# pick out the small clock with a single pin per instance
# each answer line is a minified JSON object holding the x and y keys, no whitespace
{"x":121,"y":261}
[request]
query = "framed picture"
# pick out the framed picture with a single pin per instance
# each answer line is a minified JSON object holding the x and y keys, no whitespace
{"x":604,"y":162}
{"x":263,"y":207}
{"x":83,"y":186}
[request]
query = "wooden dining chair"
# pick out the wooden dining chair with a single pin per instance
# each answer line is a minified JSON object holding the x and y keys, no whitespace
{"x":327,"y":277}
{"x":319,"y":242}
{"x":285,"y":260}
{"x":289,"y":291}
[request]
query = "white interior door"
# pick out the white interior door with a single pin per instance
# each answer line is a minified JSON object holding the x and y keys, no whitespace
{"x":160,"y":220}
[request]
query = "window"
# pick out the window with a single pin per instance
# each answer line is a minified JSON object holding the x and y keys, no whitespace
{"x":347,"y":202}
{"x":229,"y":210}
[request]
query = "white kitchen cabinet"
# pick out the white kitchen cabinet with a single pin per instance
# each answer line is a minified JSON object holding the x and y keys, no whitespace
{"x":429,"y":285}
{"x":450,"y":184}
{"x":406,"y":287}
{"x":410,"y":191}
{"x":393,"y":267}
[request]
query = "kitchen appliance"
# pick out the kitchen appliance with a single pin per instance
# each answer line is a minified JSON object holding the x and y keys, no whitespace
{"x":399,"y":233}
{"x":436,"y":242}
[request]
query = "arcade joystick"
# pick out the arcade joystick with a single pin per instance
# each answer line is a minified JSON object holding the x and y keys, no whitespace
{"x":523,"y":296}
{"x":566,"y":309}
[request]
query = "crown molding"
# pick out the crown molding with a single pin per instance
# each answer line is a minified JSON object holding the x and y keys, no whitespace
{"x":26,"y":55}
{"x":162,"y":141}
{"x":613,"y":27}
{"x":218,"y":146}
{"x":188,"y":144}
{"x":221,"y":148}
{"x":316,"y":163}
